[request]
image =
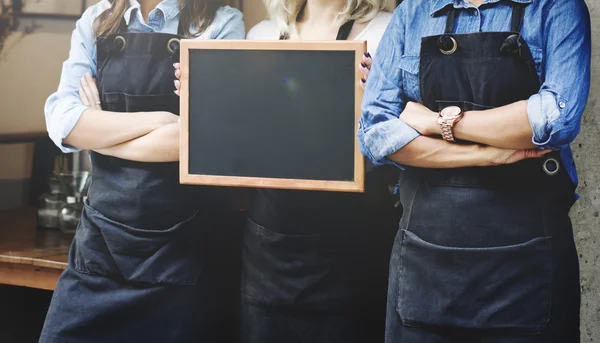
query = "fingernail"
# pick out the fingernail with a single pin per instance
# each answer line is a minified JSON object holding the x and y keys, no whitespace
{"x":175,"y":83}
{"x":367,"y":55}
{"x":362,"y":64}
{"x":363,"y":80}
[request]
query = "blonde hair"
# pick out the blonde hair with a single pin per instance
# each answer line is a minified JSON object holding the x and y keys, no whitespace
{"x":285,"y":12}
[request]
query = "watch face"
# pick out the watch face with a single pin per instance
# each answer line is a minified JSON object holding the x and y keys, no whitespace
{"x":451,"y":112}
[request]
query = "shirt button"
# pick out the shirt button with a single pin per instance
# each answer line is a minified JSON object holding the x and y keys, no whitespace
{"x":476,"y":13}
{"x":562,"y":104}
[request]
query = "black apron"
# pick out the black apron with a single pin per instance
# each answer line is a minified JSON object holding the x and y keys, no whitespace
{"x":483,"y":255}
{"x":136,"y":269}
{"x":314,"y":264}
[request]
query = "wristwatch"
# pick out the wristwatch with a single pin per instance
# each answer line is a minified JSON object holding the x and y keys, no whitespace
{"x":447,"y":118}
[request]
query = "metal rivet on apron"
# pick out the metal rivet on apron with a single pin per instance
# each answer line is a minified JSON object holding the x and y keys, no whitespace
{"x":551,"y":166}
{"x":562,"y":104}
{"x":120,"y":40}
{"x":173,"y":45}
{"x":123,"y":42}
{"x":447,"y":45}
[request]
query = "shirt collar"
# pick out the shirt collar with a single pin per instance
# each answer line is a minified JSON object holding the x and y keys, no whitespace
{"x":441,"y":4}
{"x":170,"y":9}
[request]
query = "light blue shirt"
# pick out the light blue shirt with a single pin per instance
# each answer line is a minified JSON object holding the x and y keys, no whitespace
{"x":64,"y":108}
{"x":557,"y":31}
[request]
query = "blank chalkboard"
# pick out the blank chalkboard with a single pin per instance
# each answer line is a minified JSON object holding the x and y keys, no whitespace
{"x":280,"y":114}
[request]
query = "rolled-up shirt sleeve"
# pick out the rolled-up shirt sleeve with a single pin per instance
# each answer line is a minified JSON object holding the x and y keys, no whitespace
{"x":64,"y":108}
{"x":381,"y":132}
{"x":555,"y":111}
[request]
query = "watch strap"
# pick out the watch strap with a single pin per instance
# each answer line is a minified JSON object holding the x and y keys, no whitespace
{"x":447,"y":133}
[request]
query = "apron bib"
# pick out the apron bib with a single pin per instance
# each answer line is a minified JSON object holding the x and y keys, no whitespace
{"x":483,"y":254}
{"x":314,"y":264}
{"x":136,"y":269}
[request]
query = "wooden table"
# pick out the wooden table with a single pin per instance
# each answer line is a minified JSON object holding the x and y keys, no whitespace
{"x":30,"y":257}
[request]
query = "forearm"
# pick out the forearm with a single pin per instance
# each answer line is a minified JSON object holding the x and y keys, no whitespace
{"x":505,"y":127}
{"x":160,"y":145}
{"x":427,"y":152}
{"x":97,"y":129}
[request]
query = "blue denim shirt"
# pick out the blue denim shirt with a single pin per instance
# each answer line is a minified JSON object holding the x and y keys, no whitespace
{"x":63,"y":108}
{"x":557,"y":31}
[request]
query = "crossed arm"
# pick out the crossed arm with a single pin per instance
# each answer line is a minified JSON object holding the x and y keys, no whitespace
{"x":395,"y":130}
{"x":498,"y":136}
{"x":142,"y":136}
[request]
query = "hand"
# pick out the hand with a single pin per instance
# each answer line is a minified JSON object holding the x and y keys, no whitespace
{"x":177,"y":67}
{"x":497,"y":156}
{"x":88,"y":93}
{"x":365,"y":67}
{"x":421,"y":119}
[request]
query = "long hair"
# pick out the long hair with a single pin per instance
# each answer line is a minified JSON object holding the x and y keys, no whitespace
{"x":196,"y":13}
{"x":285,"y":12}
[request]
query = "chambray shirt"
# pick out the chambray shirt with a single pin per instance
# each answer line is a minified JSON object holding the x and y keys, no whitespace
{"x":557,"y":31}
{"x":63,"y":108}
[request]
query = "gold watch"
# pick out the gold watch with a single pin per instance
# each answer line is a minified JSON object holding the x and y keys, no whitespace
{"x":447,"y":118}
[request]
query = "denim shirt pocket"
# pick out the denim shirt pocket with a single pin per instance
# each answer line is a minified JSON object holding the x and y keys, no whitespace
{"x":410,"y":76}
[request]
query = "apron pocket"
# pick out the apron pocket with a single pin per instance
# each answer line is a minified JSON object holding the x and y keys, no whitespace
{"x":108,"y":248}
{"x":114,"y":102}
{"x":158,"y":102}
{"x":302,"y":271}
{"x":500,"y":288}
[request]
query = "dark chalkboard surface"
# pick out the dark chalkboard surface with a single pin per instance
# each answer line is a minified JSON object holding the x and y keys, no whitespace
{"x":279,"y":114}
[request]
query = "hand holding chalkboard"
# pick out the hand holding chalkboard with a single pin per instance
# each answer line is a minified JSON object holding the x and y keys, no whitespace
{"x":252,"y":115}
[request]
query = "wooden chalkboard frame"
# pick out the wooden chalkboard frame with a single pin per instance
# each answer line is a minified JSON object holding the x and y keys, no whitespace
{"x":357,"y":185}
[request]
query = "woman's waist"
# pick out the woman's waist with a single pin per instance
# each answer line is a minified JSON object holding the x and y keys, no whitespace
{"x":546,"y":173}
{"x":145,"y":207}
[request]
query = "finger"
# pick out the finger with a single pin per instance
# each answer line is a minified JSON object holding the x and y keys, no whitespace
{"x":177,"y":66}
{"x":88,"y":92}
{"x":94,"y":88}
{"x":178,"y":74}
{"x":83,"y":98}
{"x":535,"y":153}
{"x":367,"y":59}
{"x":364,"y":70}
{"x":177,"y":87}
{"x":541,"y":152}
{"x":363,"y":82}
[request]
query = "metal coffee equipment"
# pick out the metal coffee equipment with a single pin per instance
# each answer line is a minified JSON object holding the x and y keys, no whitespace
{"x":50,"y":205}
{"x":75,"y":186}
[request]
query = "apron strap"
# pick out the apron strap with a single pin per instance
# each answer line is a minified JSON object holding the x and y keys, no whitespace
{"x":450,"y":19}
{"x":122,"y":26}
{"x":344,"y":31}
{"x":518,"y":13}
{"x":180,"y":28}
